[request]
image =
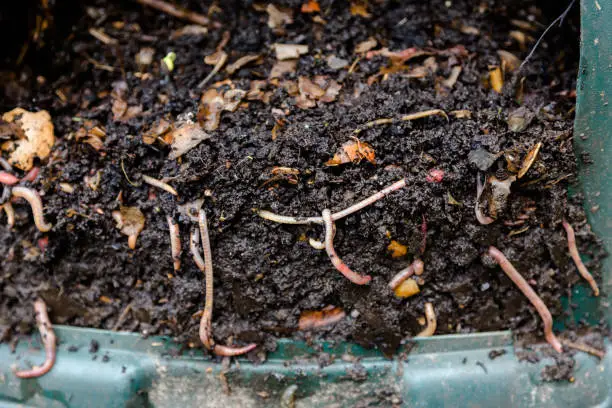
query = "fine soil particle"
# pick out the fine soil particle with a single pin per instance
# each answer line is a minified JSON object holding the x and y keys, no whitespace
{"x":266,"y":274}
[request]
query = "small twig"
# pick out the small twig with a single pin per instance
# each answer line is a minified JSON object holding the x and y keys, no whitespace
{"x":206,"y":320}
{"x":159,"y":184}
{"x":122,"y":317}
{"x":126,"y":176}
{"x":216,"y":68}
{"x":175,"y":242}
{"x":173,"y":10}
{"x":560,"y":20}
{"x":331,"y":252}
{"x":530,"y":294}
{"x":405,"y":118}
{"x":415,"y":268}
{"x":32,"y":197}
{"x":573,"y":250}
{"x":430,"y":315}
{"x":483,"y":219}
{"x":585,"y":348}
{"x":102,"y":36}
{"x":48,"y":338}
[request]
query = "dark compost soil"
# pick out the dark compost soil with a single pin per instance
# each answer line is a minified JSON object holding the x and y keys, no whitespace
{"x":267,"y":274}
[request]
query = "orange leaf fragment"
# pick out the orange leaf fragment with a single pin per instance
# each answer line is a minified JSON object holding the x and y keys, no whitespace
{"x":311,"y":6}
{"x":353,"y":151}
{"x":313,"y":319}
{"x":360,"y":8}
{"x":397,"y":250}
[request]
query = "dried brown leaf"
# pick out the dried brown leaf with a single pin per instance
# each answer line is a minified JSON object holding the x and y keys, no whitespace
{"x":130,"y":221}
{"x":353,"y":151}
{"x":278,"y":17}
{"x":283,"y":67}
{"x":36,"y":137}
{"x":496,"y":79}
{"x":159,"y":128}
{"x":289,"y":51}
{"x":366,"y":45}
{"x":185,"y":138}
{"x":529,"y":159}
{"x":360,"y":8}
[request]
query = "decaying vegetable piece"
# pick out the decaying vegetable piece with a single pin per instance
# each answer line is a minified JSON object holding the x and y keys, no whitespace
{"x":432,"y":324}
{"x":36,"y":137}
{"x":130,"y":221}
{"x":407,"y":288}
{"x":49,"y":341}
{"x":573,"y":250}
{"x":530,"y":294}
{"x":206,"y":320}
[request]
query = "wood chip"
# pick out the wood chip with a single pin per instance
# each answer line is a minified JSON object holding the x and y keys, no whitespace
{"x":289,"y":51}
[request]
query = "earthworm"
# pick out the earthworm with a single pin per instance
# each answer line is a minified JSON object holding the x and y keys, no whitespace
{"x":320,"y":318}
{"x":159,"y":184}
{"x":232,"y":351}
{"x":528,"y":291}
{"x":483,"y":219}
{"x":370,"y":200}
{"x":194,"y":242}
{"x":206,"y":320}
{"x":430,"y":315}
{"x":32,"y":197}
{"x":316,"y":244}
{"x":573,"y":250}
{"x":8,"y":178}
{"x":283,"y":219}
{"x":48,"y":339}
{"x":10,"y":214}
{"x":331,"y":252}
{"x":175,"y":242}
{"x":5,"y":164}
{"x":32,"y":174}
{"x":416,"y":267}
{"x":424,"y":233}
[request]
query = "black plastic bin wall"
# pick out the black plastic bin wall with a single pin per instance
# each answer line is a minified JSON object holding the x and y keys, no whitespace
{"x":455,"y":370}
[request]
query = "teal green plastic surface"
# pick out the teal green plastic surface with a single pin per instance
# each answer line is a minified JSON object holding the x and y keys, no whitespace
{"x":456,"y":370}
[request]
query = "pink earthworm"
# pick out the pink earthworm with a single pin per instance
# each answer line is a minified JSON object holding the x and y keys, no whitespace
{"x":48,"y":338}
{"x":573,"y":250}
{"x":32,"y":197}
{"x":175,"y":242}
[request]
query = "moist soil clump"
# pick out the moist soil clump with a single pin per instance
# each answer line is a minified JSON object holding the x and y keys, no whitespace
{"x":272,"y":151}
